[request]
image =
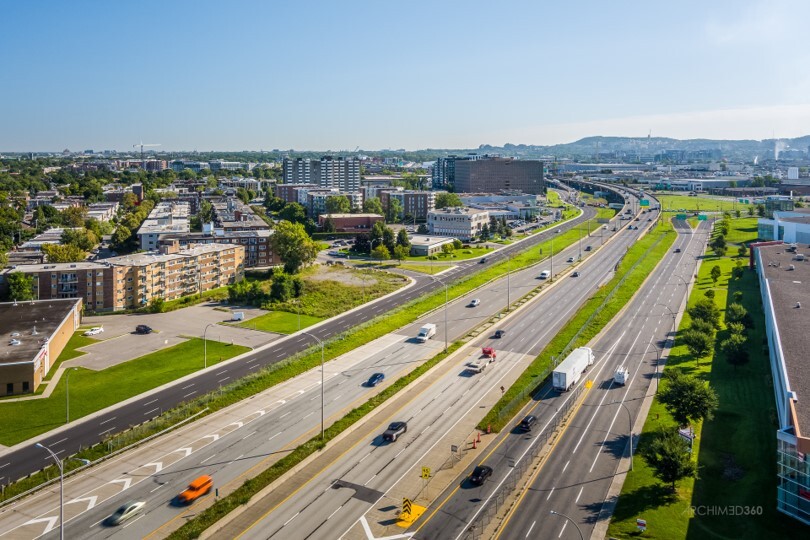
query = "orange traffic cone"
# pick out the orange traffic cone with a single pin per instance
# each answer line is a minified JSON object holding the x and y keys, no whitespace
{"x":489,"y":429}
{"x":479,"y":437}
{"x":474,"y":444}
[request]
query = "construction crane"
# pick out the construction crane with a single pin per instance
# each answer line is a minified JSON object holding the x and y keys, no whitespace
{"x":142,"y":145}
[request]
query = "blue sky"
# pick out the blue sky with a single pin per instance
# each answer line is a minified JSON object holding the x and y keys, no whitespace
{"x":327,"y":75}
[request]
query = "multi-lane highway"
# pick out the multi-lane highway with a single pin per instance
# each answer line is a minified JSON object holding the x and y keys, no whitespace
{"x":25,"y":459}
{"x":575,"y":477}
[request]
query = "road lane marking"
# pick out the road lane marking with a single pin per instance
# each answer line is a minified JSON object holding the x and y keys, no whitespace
{"x":149,"y":412}
{"x":292,"y":518}
{"x":335,"y":512}
{"x":206,"y":459}
{"x":106,"y":421}
{"x":530,"y":529}
{"x":550,"y":492}
{"x":579,"y":494}
{"x":149,"y":402}
{"x":52,"y":444}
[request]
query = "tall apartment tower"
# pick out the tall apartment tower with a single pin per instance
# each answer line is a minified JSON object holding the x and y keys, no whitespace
{"x":327,"y":172}
{"x":499,"y":174}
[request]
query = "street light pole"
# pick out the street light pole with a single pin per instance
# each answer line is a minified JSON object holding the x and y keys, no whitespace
{"x":630,"y":419}
{"x":205,"y":345}
{"x":434,"y":278}
{"x":67,"y":394}
{"x":61,"y":465}
{"x":321,"y":344}
{"x":572,"y":521}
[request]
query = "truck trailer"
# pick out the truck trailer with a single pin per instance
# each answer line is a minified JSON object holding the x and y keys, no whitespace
{"x":571,"y":369}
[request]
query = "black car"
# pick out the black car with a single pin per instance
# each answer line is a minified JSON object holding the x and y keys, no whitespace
{"x":677,"y":250}
{"x":375,"y":379}
{"x":527,"y":423}
{"x":500,"y":333}
{"x":143,"y":329}
{"x":480,"y":474}
{"x":587,"y":248}
{"x":395,"y":429}
{"x":482,"y":261}
{"x":575,"y":274}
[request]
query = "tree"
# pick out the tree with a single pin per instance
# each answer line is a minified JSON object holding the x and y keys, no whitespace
{"x":281,"y":289}
{"x":485,"y":232}
{"x":761,"y":210}
{"x":736,"y":348}
{"x":394,"y":210}
{"x":338,"y":204}
{"x":715,"y":273}
{"x":737,"y":213}
{"x":703,"y":326}
{"x":401,"y":253}
{"x":20,"y":286}
{"x":750,"y":210}
{"x":698,"y":342}
{"x":156,"y":305}
{"x":719,"y":241}
{"x":63,"y":253}
{"x":402,"y":239}
{"x":74,"y":216}
{"x":121,"y":236}
{"x":447,"y":249}
{"x":206,"y":212}
{"x":687,"y":398}
{"x":381,"y":253}
{"x":293,"y":245}
{"x":709,"y":293}
{"x":328,"y":225}
{"x":720,"y":251}
{"x":293,"y":212}
{"x":742,"y":251}
{"x":372,"y":205}
{"x":457,"y":243}
{"x":362,"y":243}
{"x":445,"y":200}
{"x":389,"y":240}
{"x":82,"y":238}
{"x":669,"y":457}
{"x":736,"y":313}
{"x":422,"y":229}
{"x":706,"y":310}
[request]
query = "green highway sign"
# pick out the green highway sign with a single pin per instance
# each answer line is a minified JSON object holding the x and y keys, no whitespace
{"x":680,"y":216}
{"x":644,"y":202}
{"x":702,"y":217}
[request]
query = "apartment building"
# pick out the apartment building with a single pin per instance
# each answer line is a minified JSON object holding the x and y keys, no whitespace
{"x":132,"y":281}
{"x":233,"y":215}
{"x":289,"y":192}
{"x":496,"y":174}
{"x":326,"y":172}
{"x":316,"y":200}
{"x":167,"y":217}
{"x":461,"y":223}
{"x":413,"y":203}
{"x":258,"y":250}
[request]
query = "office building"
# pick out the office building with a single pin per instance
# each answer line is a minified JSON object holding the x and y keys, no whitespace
{"x":462,"y":223}
{"x":498,"y":174}
{"x":787,"y":226}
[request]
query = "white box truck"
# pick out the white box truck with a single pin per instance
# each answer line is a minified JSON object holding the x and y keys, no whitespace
{"x":571,"y":369}
{"x":621,"y":376}
{"x":426,"y":332}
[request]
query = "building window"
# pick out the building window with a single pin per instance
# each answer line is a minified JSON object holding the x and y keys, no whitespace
{"x":9,"y":388}
{"x":25,"y":386}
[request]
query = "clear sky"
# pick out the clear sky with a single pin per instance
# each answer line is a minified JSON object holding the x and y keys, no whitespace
{"x":335,"y":75}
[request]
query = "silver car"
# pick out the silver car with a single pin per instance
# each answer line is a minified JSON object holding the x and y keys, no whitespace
{"x":125,"y":512}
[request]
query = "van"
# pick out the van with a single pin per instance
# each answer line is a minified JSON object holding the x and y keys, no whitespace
{"x":196,"y":489}
{"x":545,"y":274}
{"x":238,"y":316}
{"x":527,"y":423}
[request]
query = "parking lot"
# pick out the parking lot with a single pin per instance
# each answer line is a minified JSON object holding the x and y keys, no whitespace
{"x":119,"y":342}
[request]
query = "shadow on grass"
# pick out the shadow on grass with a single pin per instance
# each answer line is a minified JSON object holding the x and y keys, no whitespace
{"x":634,"y":503}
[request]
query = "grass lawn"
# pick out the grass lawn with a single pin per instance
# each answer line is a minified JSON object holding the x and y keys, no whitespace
{"x":455,"y":256}
{"x":281,"y":322}
{"x":704,"y":203}
{"x":94,"y":390}
{"x":736,"y":450}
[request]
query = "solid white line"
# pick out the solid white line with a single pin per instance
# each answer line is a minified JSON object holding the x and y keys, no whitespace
{"x":52,"y":444}
{"x":276,"y":435}
{"x":223,"y":371}
{"x":223,"y":379}
{"x":133,"y":521}
{"x":100,"y":434}
{"x":283,"y":415}
{"x":562,"y":530}
{"x":566,"y":465}
{"x":364,"y":457}
{"x":206,"y":459}
{"x":248,"y":435}
{"x":370,"y":479}
{"x":335,"y":512}
{"x":307,"y":416}
{"x":190,"y":393}
{"x":530,"y":529}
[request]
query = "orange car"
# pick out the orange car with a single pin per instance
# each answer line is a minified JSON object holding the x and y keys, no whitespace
{"x":199,"y":487}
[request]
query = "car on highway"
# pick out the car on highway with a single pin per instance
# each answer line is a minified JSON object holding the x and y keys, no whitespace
{"x":570,"y":259}
{"x":395,"y":429}
{"x":499,"y":333}
{"x":545,"y":274}
{"x":575,"y":274}
{"x":143,"y":329}
{"x":125,"y":512}
{"x":483,"y":260}
{"x":527,"y":423}
{"x":96,"y":330}
{"x":677,"y":250}
{"x":375,"y":379}
{"x":587,"y":248}
{"x":489,"y":352}
{"x":475,"y":302}
{"x":480,"y":474}
{"x":201,"y":485}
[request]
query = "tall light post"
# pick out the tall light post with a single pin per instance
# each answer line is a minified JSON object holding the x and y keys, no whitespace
{"x":67,"y":393}
{"x":674,"y":316}
{"x":657,"y":362}
{"x":205,"y":345}
{"x":434,"y":278}
{"x":571,"y":520}
{"x":321,"y":344}
{"x":551,"y":278}
{"x":61,"y":465}
{"x":630,"y":420}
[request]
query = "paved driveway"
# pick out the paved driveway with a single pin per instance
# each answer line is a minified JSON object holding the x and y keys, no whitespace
{"x":120,"y":343}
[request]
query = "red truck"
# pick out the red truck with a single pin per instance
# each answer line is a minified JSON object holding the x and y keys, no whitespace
{"x":489,"y":352}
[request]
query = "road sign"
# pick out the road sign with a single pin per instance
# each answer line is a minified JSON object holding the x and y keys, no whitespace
{"x":406,"y":506}
{"x":644,"y":202}
{"x":602,"y":220}
{"x":641,"y":524}
{"x":425,"y":473}
{"x":680,"y":216}
{"x":702,"y":217}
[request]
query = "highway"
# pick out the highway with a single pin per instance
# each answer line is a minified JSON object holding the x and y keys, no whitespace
{"x":371,"y":474}
{"x":575,"y":477}
{"x":234,"y":447}
{"x":25,"y":459}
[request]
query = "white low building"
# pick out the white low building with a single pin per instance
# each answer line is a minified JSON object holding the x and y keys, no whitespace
{"x":461,"y":223}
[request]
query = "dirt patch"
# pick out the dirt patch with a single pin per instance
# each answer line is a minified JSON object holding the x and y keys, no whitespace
{"x":342,"y":275}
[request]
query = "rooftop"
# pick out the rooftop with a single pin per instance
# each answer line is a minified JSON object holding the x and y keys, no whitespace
{"x":429,"y":240}
{"x":34,"y":321}
{"x":787,"y":289}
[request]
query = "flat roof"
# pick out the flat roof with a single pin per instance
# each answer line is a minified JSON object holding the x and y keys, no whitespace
{"x":25,"y":318}
{"x":351,"y":215}
{"x":787,"y":287}
{"x":428,"y":240}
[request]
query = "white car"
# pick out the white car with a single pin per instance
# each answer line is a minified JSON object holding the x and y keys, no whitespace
{"x":126,"y":511}
{"x":96,"y":330}
{"x":475,"y":302}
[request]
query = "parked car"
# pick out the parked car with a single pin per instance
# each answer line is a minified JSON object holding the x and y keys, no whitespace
{"x":143,"y":329}
{"x":375,"y":379}
{"x":96,"y":330}
{"x":125,"y":512}
{"x":480,"y":474}
{"x":395,"y":429}
{"x":500,"y":333}
{"x":475,"y":302}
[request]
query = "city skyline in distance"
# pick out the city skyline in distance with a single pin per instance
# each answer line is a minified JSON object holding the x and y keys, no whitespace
{"x":324,"y":77}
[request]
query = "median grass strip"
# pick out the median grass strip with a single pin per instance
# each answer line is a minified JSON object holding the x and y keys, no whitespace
{"x":195,"y":527}
{"x":735,"y":451}
{"x":588,"y":321}
{"x":702,"y":203}
{"x":280,"y":322}
{"x":91,"y":391}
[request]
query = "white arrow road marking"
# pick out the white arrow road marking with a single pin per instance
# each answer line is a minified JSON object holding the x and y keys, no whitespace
{"x":213,"y":437}
{"x":91,"y":501}
{"x":371,"y":536}
{"x":51,"y":521}
{"x":187,"y":451}
{"x":126,"y":481}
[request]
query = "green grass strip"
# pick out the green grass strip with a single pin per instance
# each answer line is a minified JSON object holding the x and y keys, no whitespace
{"x":587,"y":323}
{"x":195,"y":527}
